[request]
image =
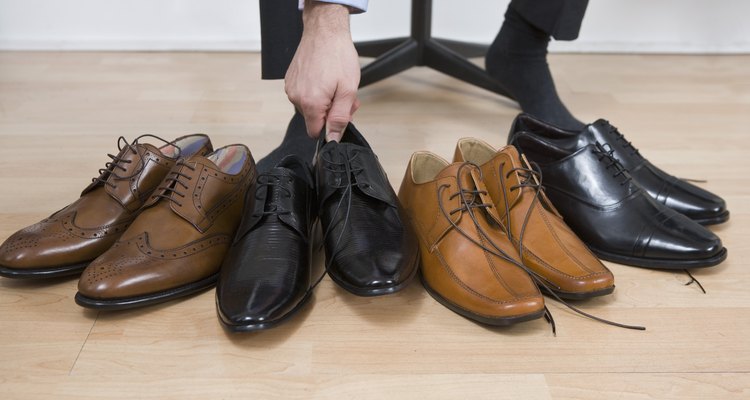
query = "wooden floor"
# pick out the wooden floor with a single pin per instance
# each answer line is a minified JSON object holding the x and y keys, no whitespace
{"x":60,"y":113}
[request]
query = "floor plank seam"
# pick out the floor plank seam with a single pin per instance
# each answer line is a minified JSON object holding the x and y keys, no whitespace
{"x":72,"y":367}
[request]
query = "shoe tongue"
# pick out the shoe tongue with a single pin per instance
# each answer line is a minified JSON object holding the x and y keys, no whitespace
{"x":500,"y":166}
{"x":277,"y":177}
{"x":341,"y":149}
{"x":153,"y":149}
{"x":592,"y":133}
{"x":127,"y":154}
{"x":273,"y":189}
{"x":510,"y":156}
{"x":453,"y":171}
{"x":470,"y":179}
{"x":601,"y":123}
{"x":293,"y":166}
{"x":205,"y":161}
{"x":598,"y":129}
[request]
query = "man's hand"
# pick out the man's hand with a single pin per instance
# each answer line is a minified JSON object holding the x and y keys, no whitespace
{"x":323,"y":78}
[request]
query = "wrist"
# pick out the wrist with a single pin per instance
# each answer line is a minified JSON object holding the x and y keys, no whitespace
{"x":325,"y":17}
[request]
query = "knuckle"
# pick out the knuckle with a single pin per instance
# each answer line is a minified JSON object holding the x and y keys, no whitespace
{"x":292,"y":96}
{"x":348,"y":91}
{"x":339,"y":119}
{"x":308,"y":104}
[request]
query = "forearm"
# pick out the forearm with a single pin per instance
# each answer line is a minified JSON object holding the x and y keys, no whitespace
{"x":325,"y":18}
{"x":323,"y":77}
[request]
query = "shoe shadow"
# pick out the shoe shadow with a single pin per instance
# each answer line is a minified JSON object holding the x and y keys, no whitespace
{"x":388,"y":310}
{"x":527,"y":328}
{"x":31,"y":284}
{"x":275,"y":336}
{"x":269,"y":338}
{"x":142,"y":311}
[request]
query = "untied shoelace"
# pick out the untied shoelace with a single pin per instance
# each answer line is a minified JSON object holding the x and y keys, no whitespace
{"x":469,"y":205}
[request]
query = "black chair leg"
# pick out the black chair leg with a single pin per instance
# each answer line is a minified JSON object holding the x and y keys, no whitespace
{"x":375,"y":48}
{"x":443,"y":59}
{"x":421,"y":49}
{"x":397,"y":59}
{"x":466,"y":49}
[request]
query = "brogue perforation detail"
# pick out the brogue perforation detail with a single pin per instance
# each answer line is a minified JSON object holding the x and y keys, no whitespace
{"x":226,"y":203}
{"x":141,"y":195}
{"x":104,"y":271}
{"x":71,"y":228}
{"x":236,"y":194}
{"x":141,"y":242}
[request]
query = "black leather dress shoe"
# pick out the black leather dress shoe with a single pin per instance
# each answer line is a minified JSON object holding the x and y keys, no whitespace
{"x":613,"y":215}
{"x":699,"y":205}
{"x":265,"y":277}
{"x":371,"y":249}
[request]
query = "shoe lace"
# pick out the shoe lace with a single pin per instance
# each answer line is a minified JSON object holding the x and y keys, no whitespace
{"x":117,"y":162}
{"x":175,"y":178}
{"x":605,"y":153}
{"x":530,"y":177}
{"x":693,"y":280}
{"x":634,"y":151}
{"x":339,"y":162}
{"x":470,"y":202}
{"x":612,"y":130}
{"x":469,"y":205}
{"x":272,"y":183}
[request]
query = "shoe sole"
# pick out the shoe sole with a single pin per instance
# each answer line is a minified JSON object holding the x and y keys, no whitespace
{"x":662,"y":263}
{"x":240,"y":328}
{"x":379,"y":291}
{"x":148,"y":299}
{"x":718,"y":219}
{"x":43,"y":273}
{"x":499,"y":321}
{"x":578,"y":295}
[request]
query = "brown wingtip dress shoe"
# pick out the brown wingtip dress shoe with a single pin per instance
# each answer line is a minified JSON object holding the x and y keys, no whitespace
{"x":67,"y":241}
{"x":549,"y":246}
{"x":467,"y":262}
{"x":177,"y":244}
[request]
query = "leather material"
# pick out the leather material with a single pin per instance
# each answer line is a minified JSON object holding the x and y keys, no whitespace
{"x":613,"y":215}
{"x":696,"y":203}
{"x":370,"y":248}
{"x":456,"y":270}
{"x":179,"y":238}
{"x":69,"y":239}
{"x":550,"y":248}
{"x":266,"y":273}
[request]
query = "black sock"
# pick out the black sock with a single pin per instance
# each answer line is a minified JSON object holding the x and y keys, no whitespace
{"x":518,"y":60}
{"x":295,"y":142}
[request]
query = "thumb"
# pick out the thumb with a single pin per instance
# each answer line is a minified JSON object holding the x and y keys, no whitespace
{"x":339,"y":115}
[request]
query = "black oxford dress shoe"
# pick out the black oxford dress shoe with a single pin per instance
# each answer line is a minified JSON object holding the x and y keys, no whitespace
{"x":699,"y":205}
{"x":371,"y":249}
{"x":265,"y":277}
{"x":613,"y":215}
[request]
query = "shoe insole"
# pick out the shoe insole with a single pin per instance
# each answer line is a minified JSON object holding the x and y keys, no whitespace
{"x":229,"y":159}
{"x":184,"y":147}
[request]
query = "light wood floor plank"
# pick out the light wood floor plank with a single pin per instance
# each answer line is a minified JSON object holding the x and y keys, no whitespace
{"x":649,"y":386}
{"x":60,"y":113}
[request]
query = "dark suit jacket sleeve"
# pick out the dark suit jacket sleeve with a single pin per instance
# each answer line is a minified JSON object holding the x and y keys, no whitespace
{"x":280,"y":33}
